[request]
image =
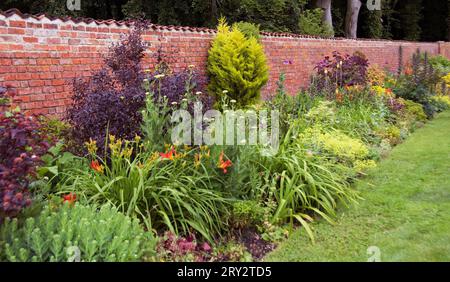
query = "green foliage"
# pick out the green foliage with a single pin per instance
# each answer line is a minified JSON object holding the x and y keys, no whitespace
{"x":62,"y":235}
{"x":441,"y":64}
{"x":246,"y":213}
{"x":250,"y":30}
{"x":311,"y":23}
{"x":339,"y":146}
{"x":155,"y":120}
{"x":415,"y":109}
{"x":302,"y":183}
{"x":51,"y":170}
{"x":165,"y":190}
{"x":236,"y":66}
{"x":290,"y":107}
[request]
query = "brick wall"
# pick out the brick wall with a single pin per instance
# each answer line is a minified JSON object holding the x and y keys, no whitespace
{"x":40,"y":56}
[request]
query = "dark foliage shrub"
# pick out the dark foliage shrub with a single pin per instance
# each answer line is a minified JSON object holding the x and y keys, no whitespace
{"x":21,"y":145}
{"x":111,"y":100}
{"x":342,"y":70}
{"x":419,"y":83}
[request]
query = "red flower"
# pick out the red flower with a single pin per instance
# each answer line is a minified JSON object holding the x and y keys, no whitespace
{"x":224,"y":164}
{"x":168,"y":155}
{"x":95,"y":165}
{"x":70,"y":198}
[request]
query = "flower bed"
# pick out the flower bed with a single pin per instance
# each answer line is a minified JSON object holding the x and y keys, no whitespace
{"x":115,"y":160}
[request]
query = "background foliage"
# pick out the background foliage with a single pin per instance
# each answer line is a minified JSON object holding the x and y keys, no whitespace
{"x":412,"y":19}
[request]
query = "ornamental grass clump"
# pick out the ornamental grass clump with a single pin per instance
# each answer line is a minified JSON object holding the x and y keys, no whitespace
{"x":237,"y":66}
{"x":166,"y":190}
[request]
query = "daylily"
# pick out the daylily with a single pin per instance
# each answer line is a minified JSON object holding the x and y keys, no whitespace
{"x":70,"y":198}
{"x":224,"y":164}
{"x":168,"y":155}
{"x":95,"y":165}
{"x":197,"y":159}
{"x":389,"y":91}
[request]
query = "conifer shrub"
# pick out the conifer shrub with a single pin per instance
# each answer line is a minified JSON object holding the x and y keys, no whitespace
{"x":237,"y":66}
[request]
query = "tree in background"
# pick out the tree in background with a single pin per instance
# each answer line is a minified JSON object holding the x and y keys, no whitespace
{"x":351,"y":18}
{"x":410,"y":15}
{"x":325,"y":5}
{"x":311,"y":23}
{"x":407,"y":19}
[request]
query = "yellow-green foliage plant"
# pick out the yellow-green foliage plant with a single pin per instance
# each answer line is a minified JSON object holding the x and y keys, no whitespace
{"x":237,"y":66}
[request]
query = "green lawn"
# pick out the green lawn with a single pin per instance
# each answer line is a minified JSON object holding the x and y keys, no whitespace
{"x":405,"y":211}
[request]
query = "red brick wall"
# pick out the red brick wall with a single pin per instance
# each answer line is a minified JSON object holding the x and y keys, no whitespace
{"x":39,"y":56}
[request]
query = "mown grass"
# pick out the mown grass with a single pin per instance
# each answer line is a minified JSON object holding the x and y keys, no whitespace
{"x":405,"y":211}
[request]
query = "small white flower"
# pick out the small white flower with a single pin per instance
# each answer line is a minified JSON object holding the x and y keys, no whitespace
{"x":145,"y":80}
{"x":33,"y":156}
{"x":225,"y":91}
{"x":158,"y":76}
{"x":184,"y":100}
{"x":147,"y":93}
{"x":198,"y":93}
{"x":232,"y":101}
{"x":174,"y":103}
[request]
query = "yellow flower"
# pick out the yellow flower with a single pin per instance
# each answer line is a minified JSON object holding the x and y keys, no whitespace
{"x":153,"y":157}
{"x":127,"y":152}
{"x":137,"y":138}
{"x":197,"y":159}
{"x":91,"y":146}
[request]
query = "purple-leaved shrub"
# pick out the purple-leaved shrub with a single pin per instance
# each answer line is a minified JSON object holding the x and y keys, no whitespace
{"x":110,"y":102}
{"x":22,"y":143}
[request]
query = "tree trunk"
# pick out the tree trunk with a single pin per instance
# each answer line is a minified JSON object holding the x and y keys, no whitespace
{"x":326,"y":6}
{"x":351,"y":19}
{"x":214,"y":11}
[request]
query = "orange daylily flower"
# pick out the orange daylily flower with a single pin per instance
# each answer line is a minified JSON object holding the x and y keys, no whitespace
{"x":70,"y":198}
{"x":168,"y":155}
{"x":224,"y":164}
{"x":389,"y":91}
{"x":95,"y":165}
{"x":339,"y":97}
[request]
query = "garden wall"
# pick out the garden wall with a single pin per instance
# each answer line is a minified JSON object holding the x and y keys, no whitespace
{"x":40,"y":56}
